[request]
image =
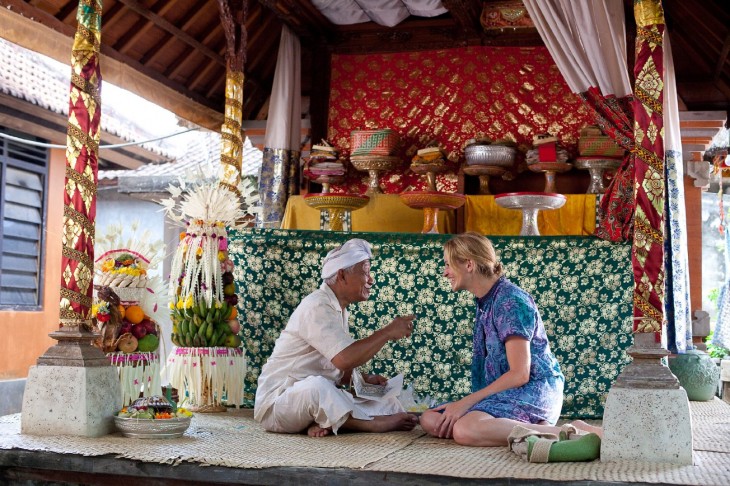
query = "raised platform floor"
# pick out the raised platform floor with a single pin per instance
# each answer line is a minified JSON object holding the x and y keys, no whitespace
{"x":235,"y":450}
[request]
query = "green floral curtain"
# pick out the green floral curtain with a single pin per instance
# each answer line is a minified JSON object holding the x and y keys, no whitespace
{"x":582,"y":285}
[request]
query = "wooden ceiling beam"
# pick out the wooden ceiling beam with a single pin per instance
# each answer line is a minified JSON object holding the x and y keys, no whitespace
{"x":141,"y":26}
{"x":164,"y":24}
{"x":187,"y":55}
{"x":186,"y":21}
{"x":722,"y":60}
{"x":66,"y":11}
{"x":301,"y":17}
{"x":466,"y":15}
{"x":33,"y":24}
{"x":108,"y":18}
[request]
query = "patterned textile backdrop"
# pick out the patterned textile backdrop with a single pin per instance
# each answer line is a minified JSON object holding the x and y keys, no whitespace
{"x":583,"y":287}
{"x":450,"y":96}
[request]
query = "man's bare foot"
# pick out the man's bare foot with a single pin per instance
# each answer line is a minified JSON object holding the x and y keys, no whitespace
{"x":383,"y":423}
{"x":579,"y":424}
{"x":315,"y":430}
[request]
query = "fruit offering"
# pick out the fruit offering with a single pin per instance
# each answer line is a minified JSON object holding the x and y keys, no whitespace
{"x":124,"y":328}
{"x":154,"y":407}
{"x":122,"y":268}
{"x":204,"y":310}
{"x":202,"y":287}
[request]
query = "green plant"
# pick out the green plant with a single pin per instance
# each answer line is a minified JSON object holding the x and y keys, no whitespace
{"x":713,"y":295}
{"x":713,"y":350}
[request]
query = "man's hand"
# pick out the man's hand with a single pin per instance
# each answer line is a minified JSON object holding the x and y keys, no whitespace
{"x":374,"y":379}
{"x":400,"y":327}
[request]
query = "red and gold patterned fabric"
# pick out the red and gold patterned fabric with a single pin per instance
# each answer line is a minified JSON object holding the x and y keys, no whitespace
{"x":648,"y":248}
{"x":614,"y":116}
{"x":449,"y":96}
{"x":82,"y":146}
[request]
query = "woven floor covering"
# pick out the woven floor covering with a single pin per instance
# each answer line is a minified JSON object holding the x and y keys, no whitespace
{"x":233,"y":439}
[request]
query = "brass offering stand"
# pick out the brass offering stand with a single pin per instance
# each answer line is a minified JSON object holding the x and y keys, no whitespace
{"x":596,"y":166}
{"x":326,"y":181}
{"x":337,"y":207}
{"x":373,"y":165}
{"x":550,"y":169}
{"x":484,"y":172}
{"x":431,"y":201}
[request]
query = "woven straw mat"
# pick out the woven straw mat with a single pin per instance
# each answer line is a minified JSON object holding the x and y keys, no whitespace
{"x":230,"y":439}
{"x":233,"y":439}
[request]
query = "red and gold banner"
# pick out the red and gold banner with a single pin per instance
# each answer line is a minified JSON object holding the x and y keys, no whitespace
{"x":649,"y":193}
{"x":82,"y":146}
{"x":450,"y":96}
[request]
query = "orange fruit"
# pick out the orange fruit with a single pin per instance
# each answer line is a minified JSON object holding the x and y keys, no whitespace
{"x":134,"y":314}
{"x":122,"y":310}
{"x":234,"y":313}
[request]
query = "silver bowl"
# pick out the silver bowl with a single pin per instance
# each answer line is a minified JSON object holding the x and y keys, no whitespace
{"x":152,"y":428}
{"x":494,"y":155}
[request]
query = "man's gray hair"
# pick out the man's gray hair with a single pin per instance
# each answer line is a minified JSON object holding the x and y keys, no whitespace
{"x":333,"y":279}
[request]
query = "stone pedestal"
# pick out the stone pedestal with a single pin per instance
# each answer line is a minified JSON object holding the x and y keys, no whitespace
{"x":647,"y":416}
{"x":73,"y":390}
{"x":70,"y":400}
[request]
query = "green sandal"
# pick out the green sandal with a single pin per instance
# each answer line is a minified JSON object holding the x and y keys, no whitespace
{"x":582,"y":448}
{"x":573,"y":445}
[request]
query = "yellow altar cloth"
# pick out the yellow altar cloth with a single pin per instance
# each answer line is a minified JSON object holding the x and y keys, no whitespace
{"x":576,"y":217}
{"x":383,"y":213}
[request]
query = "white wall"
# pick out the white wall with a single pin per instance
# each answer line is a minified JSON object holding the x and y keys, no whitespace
{"x":114,"y":208}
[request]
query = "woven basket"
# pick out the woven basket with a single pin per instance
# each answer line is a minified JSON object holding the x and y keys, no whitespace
{"x":383,"y":141}
{"x":599,"y":146}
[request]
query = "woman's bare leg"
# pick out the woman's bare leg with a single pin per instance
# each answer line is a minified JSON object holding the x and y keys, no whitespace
{"x":480,"y":429}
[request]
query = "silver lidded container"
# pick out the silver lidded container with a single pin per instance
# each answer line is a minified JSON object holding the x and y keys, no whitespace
{"x":492,"y":155}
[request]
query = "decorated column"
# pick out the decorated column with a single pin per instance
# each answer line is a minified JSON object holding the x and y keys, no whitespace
{"x":234,"y":27}
{"x":73,"y":375}
{"x":646,"y":400}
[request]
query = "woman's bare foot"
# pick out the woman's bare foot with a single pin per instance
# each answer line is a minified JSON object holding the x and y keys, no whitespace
{"x":579,"y":424}
{"x":383,"y":423}
{"x":315,"y":430}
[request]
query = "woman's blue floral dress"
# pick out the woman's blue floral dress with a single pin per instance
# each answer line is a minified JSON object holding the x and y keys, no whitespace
{"x":505,"y":311}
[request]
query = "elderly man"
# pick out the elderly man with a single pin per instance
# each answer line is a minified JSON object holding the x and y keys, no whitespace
{"x":298,"y":386}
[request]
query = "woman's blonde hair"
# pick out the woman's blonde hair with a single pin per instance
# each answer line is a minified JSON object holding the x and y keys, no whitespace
{"x":475,"y":247}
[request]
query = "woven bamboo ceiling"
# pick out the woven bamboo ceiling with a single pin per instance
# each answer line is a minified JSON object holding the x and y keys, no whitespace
{"x":181,"y":43}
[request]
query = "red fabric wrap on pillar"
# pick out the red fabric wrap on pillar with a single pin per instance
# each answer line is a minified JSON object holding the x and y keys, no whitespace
{"x":649,"y":192}
{"x":82,"y":145}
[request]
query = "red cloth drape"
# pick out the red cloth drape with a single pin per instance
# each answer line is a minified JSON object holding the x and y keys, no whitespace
{"x":616,"y":209}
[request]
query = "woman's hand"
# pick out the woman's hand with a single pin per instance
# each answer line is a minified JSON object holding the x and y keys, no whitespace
{"x":374,"y":379}
{"x":452,"y":412}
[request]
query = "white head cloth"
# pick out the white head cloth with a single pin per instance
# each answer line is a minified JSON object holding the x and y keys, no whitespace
{"x":352,"y":252}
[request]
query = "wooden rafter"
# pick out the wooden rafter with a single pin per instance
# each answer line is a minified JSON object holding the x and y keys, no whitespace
{"x":186,"y":21}
{"x":164,"y":24}
{"x":466,"y":15}
{"x":141,"y":26}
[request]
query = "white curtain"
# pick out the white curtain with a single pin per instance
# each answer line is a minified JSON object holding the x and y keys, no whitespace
{"x":384,"y":12}
{"x":587,"y":41}
{"x":280,"y":167}
{"x":677,"y":301}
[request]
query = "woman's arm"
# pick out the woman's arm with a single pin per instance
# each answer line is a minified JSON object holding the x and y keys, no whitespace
{"x":519,"y":360}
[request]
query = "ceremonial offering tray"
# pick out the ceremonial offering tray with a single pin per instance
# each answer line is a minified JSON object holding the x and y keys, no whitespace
{"x":382,"y":141}
{"x":484,"y":172}
{"x":490,"y":155}
{"x":550,"y":169}
{"x":530,"y":203}
{"x":374,"y":164}
{"x":336,"y":205}
{"x":137,"y":428}
{"x":596,"y":166}
{"x":431,"y":202}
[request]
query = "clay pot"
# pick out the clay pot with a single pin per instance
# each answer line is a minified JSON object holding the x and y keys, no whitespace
{"x":697,"y":374}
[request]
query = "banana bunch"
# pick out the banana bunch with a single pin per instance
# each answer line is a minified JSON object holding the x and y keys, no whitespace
{"x":202,"y":326}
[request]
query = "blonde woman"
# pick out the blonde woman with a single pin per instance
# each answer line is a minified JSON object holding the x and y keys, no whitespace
{"x":516,"y":379}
